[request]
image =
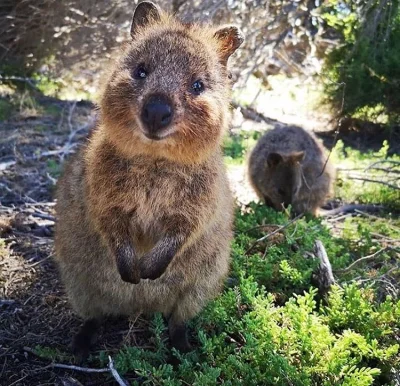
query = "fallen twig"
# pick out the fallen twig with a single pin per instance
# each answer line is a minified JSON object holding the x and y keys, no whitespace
{"x":78,"y":368}
{"x":5,"y":165}
{"x":6,"y":302}
{"x":50,"y":203}
{"x":260,"y":227}
{"x":323,"y":277}
{"x":114,"y":373}
{"x":281,"y":228}
{"x":110,"y":368}
{"x":375,"y":182}
{"x":59,"y":151}
{"x":44,"y":216}
{"x":67,"y":367}
{"x":369,"y":257}
{"x":252,"y":114}
{"x":40,"y":261}
{"x":372,"y":166}
{"x":351,"y":208}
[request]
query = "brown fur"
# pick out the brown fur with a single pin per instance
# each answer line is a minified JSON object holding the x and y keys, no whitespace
{"x":285,"y":168}
{"x":130,"y":208}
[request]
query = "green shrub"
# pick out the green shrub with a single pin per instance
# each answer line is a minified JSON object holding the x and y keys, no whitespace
{"x":6,"y":109}
{"x":368,"y":60}
{"x":271,"y":329}
{"x":236,"y":145}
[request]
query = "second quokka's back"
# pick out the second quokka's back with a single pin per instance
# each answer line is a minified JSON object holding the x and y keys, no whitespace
{"x":288,"y":167}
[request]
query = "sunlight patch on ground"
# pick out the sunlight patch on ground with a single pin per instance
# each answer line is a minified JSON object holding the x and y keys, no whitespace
{"x":290,"y":101}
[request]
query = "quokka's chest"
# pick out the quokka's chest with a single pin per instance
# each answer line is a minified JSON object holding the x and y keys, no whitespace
{"x":158,"y":183}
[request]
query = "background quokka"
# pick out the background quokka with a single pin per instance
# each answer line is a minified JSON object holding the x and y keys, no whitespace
{"x":287,"y":167}
{"x":148,"y":197}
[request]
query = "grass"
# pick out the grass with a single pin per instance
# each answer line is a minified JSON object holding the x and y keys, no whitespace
{"x":270,"y":326}
{"x":25,"y":104}
{"x":355,"y":164}
{"x":236,"y":146}
{"x":6,"y":109}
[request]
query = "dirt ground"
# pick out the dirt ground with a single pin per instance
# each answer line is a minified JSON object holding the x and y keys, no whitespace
{"x":34,"y":310}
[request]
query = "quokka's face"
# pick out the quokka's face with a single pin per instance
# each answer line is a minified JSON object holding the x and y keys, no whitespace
{"x":284,"y":178}
{"x":176,"y":86}
{"x":172,"y":86}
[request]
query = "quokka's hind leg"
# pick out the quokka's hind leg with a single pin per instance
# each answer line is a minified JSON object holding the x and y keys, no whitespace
{"x":186,"y":308}
{"x":268,"y":202}
{"x":178,"y":335}
{"x":84,"y":339}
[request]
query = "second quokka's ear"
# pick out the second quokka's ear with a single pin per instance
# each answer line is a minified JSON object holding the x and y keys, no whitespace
{"x":298,"y":156}
{"x":145,"y":13}
{"x":230,"y":38}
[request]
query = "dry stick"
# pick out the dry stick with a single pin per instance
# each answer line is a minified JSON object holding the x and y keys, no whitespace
{"x":261,"y":226}
{"x":49,"y":203}
{"x":115,"y":374}
{"x":324,"y":275}
{"x":40,"y":261}
{"x":382,"y":162}
{"x":43,"y":216}
{"x":67,"y":367}
{"x":78,"y":368}
{"x":349,"y":208}
{"x":110,"y":368}
{"x":281,"y":228}
{"x":59,"y":151}
{"x":388,"y":170}
{"x":369,"y":257}
{"x":253,"y":114}
{"x":6,"y":302}
{"x":375,"y":181}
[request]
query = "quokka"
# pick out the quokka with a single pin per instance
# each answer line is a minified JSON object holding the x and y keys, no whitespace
{"x":144,"y":208}
{"x":288,"y":166}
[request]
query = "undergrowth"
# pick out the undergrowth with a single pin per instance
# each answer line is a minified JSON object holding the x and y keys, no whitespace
{"x":271,"y":327}
{"x":356,"y":167}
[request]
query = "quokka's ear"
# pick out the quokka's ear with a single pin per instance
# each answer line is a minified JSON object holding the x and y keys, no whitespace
{"x":274,"y":159}
{"x":297,"y":156}
{"x":230,"y":38}
{"x":145,"y":13}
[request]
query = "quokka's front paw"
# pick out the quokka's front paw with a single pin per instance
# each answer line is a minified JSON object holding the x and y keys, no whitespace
{"x":129,"y":277}
{"x":152,"y":268}
{"x":152,"y":275}
{"x":127,"y":265}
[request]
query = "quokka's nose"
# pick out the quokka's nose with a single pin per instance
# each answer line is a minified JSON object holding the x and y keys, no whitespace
{"x":156,"y":114}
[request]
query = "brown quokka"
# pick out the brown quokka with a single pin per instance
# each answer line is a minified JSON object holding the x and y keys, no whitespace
{"x":144,"y":209}
{"x":288,"y":167}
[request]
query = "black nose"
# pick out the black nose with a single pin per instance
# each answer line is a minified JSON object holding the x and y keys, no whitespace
{"x":157,"y":114}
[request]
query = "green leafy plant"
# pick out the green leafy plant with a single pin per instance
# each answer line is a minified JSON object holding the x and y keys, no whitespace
{"x":367,"y":61}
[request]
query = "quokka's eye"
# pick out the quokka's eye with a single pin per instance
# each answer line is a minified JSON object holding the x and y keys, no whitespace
{"x":197,"y":87}
{"x":281,"y":192}
{"x":140,"y":72}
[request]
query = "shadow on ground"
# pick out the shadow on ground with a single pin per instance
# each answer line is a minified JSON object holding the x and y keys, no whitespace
{"x":35,"y":316}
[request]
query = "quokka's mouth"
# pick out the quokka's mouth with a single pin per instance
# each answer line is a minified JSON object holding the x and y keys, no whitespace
{"x":158,"y":135}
